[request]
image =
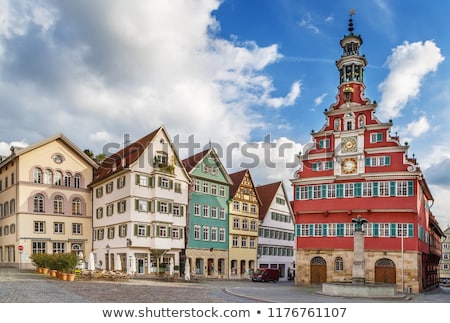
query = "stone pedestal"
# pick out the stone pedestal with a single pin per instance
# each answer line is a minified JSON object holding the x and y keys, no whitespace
{"x":359,"y":266}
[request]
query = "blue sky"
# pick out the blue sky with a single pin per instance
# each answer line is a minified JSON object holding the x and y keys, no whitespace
{"x":243,"y":74}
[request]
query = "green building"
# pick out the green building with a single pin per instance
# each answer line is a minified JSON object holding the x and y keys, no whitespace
{"x":207,"y":228}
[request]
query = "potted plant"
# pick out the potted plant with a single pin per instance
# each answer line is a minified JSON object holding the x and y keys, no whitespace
{"x":54,"y":265}
{"x":36,"y":260}
{"x":41,"y":261}
{"x":69,"y":262}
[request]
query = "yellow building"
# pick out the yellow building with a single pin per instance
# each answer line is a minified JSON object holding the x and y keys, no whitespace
{"x":243,"y":225}
{"x":45,"y":204}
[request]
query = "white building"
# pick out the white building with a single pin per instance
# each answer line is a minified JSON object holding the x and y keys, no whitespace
{"x":276,"y":242}
{"x":140,"y":197}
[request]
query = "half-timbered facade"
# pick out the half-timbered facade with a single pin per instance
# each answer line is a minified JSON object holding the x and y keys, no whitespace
{"x":244,"y":207}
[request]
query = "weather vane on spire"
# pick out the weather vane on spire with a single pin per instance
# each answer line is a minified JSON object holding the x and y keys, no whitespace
{"x":350,"y":21}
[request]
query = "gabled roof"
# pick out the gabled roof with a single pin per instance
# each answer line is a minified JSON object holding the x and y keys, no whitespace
{"x":267,"y":194}
{"x":191,"y":162}
{"x":58,"y":136}
{"x":237,"y":178}
{"x":124,"y":157}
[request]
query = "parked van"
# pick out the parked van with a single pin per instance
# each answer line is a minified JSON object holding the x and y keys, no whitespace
{"x":266,"y":275}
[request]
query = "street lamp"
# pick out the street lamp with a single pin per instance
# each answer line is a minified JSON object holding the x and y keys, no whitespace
{"x":107,"y":260}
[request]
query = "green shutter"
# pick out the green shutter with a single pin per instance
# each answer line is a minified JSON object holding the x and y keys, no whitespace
{"x":375,"y":189}
{"x":148,"y":230}
{"x":358,"y":191}
{"x":340,"y":229}
{"x":311,"y":230}
{"x":158,"y":208}
{"x":170,"y":208}
{"x":375,"y":230}
{"x":324,"y":191}
{"x":137,"y":179}
{"x":136,"y":204}
{"x":379,"y":137}
{"x":393,"y":230}
{"x":392,"y":188}
{"x":387,"y":160}
{"x":314,"y":167}
{"x":151,"y":179}
{"x":159,"y":181}
{"x":310,"y":192}
{"x":298,"y":230}
{"x":324,"y":230}
{"x":410,"y":188}
{"x":339,"y":190}
{"x":410,"y":230}
{"x":135,"y":229}
{"x":367,"y":162}
{"x":297,"y":193}
{"x":170,"y":184}
{"x":152,"y":206}
{"x":157,"y":231}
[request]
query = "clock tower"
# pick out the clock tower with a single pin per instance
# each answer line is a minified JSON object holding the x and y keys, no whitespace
{"x":354,"y":166}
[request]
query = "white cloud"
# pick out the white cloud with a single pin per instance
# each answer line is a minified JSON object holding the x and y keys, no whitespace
{"x":318,"y":101}
{"x":408,"y":65}
{"x":308,"y":24}
{"x":417,"y":127}
{"x":270,"y":160}
{"x":5,"y":148}
{"x":288,"y":100}
{"x":104,"y":68}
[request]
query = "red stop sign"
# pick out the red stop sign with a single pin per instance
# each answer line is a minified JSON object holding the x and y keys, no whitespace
{"x":20,"y":248}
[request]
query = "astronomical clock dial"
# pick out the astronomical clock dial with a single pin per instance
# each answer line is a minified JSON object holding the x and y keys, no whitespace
{"x":349,"y":144}
{"x":349,"y":166}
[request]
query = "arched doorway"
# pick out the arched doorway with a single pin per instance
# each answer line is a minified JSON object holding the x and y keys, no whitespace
{"x":385,"y":271}
{"x":318,"y":270}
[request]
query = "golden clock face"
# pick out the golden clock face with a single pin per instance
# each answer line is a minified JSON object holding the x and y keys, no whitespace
{"x":349,"y":144}
{"x":348,"y":166}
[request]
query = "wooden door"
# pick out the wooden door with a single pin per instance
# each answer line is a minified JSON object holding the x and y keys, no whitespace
{"x":385,"y":271}
{"x":318,"y":270}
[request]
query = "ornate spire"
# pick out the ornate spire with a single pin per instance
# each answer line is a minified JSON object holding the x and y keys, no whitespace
{"x":351,"y":67}
{"x":350,"y":21}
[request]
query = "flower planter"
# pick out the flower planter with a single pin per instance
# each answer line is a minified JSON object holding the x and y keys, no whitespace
{"x":63,"y":276}
{"x":71,"y":277}
{"x":52,"y":272}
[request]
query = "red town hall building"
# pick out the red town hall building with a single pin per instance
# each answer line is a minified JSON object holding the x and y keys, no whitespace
{"x":354,"y":166}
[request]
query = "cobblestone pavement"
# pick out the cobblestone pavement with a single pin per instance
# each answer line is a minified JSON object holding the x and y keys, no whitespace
{"x":20,"y":286}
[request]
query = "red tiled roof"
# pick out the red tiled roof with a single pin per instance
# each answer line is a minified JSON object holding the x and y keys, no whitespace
{"x":237,"y":180}
{"x":192,"y":161}
{"x":124,"y":157}
{"x":266,"y":194}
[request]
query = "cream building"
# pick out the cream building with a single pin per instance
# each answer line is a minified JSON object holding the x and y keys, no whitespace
{"x":244,"y":220}
{"x":45,"y":204}
{"x":140,"y":197}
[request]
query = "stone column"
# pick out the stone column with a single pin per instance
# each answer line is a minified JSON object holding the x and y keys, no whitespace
{"x":359,"y":266}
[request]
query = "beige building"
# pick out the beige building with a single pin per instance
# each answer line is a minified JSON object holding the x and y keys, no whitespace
{"x":45,"y":204}
{"x":243,"y":221}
